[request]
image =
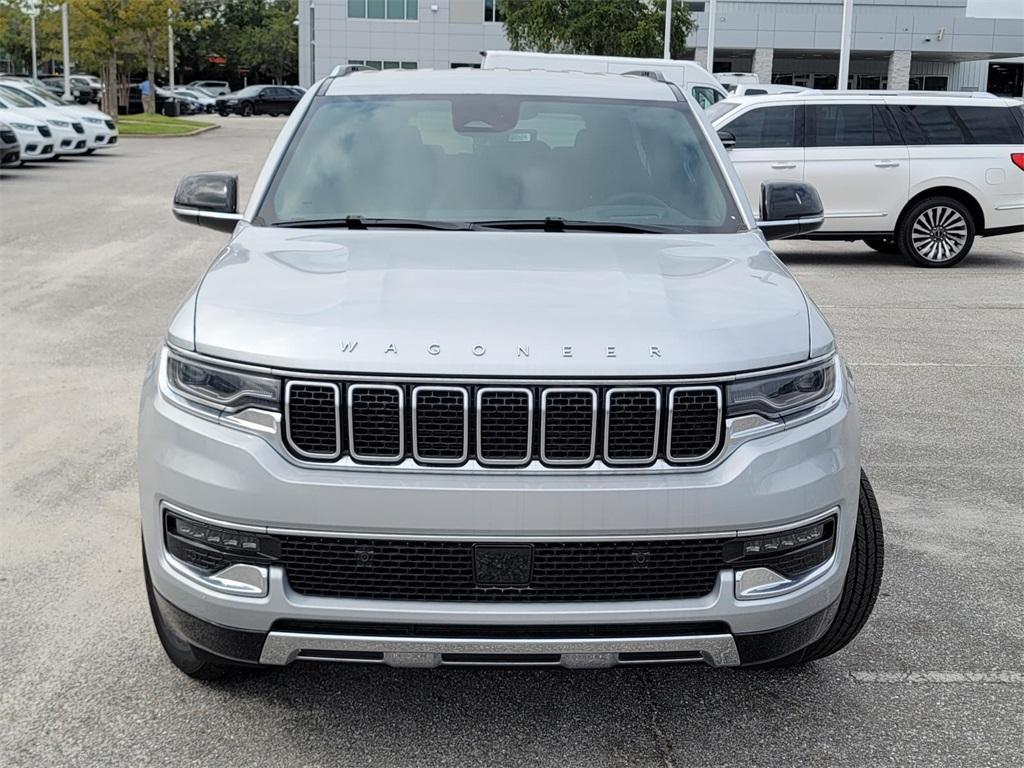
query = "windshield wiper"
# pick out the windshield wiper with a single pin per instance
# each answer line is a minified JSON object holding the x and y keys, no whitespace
{"x":361,"y":222}
{"x":556,"y":224}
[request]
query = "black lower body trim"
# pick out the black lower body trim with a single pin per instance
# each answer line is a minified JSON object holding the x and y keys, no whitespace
{"x":218,"y":644}
{"x":763,"y":647}
{"x":1003,"y":230}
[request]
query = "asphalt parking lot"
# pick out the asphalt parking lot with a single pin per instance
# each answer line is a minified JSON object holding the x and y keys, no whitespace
{"x":93,"y":264}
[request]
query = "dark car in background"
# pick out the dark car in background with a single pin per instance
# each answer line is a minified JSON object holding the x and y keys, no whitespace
{"x":10,"y":149}
{"x":260,"y":100}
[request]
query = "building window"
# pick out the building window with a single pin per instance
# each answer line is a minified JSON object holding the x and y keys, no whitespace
{"x":378,"y":64}
{"x":695,"y":6}
{"x":392,"y":10}
{"x":929,"y":83}
{"x":461,"y":65}
{"x":492,"y":12}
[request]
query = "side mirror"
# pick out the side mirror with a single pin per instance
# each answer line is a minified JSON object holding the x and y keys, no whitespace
{"x":789,"y":208}
{"x":209,"y":200}
{"x":727,"y":138}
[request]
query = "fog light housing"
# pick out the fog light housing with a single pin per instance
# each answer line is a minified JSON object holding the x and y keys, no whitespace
{"x":211,"y":548}
{"x":788,"y":553}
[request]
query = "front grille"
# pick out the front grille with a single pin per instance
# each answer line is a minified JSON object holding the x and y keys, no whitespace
{"x":376,"y":415}
{"x":440,"y":424}
{"x":44,"y":131}
{"x":110,"y":124}
{"x":313,"y":420}
{"x":78,"y":127}
{"x":385,"y":569}
{"x":8,"y":137}
{"x":510,"y":426}
{"x":631,"y":425}
{"x":504,"y":426}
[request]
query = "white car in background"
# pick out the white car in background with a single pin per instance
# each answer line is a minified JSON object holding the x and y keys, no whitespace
{"x":68,"y":132}
{"x":99,"y":128}
{"x":689,"y":76}
{"x":35,"y":136}
{"x":766,"y":89}
{"x":915,"y":172}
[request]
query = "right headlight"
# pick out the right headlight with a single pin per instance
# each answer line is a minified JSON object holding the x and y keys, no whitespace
{"x":782,"y":394}
{"x":219,"y":387}
{"x":23,"y":126}
{"x":60,"y":123}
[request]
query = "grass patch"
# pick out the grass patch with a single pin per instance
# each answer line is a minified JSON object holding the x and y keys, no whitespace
{"x":156,"y":125}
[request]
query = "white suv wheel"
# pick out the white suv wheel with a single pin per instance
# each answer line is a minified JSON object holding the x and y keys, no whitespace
{"x":937,"y":232}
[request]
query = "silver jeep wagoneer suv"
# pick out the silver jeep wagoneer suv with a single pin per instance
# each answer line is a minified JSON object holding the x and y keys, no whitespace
{"x":496,"y":368}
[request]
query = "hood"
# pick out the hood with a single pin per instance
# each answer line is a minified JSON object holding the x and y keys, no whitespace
{"x":20,"y":116}
{"x":498,"y":303}
{"x":82,"y":113}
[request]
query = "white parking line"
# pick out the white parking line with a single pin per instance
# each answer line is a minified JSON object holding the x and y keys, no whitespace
{"x":1002,"y":677}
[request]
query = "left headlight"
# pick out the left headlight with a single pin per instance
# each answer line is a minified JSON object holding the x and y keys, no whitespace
{"x":93,"y":120}
{"x":783,"y":394}
{"x":219,"y":387}
{"x":60,"y":123}
{"x":22,"y":126}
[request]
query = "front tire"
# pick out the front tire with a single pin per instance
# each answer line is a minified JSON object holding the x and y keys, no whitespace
{"x":936,"y":232}
{"x":860,"y":590}
{"x":181,"y":653}
{"x":247,"y":110}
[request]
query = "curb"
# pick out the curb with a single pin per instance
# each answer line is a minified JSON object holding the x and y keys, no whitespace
{"x":196,"y":132}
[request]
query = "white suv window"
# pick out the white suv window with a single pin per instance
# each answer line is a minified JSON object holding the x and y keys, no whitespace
{"x":765,"y":127}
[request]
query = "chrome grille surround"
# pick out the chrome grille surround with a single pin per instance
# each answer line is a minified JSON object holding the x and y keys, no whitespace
{"x":481,"y":451}
{"x":293,"y":440}
{"x":671,"y":423}
{"x":616,"y":393}
{"x":417,"y":411}
{"x":352,"y":391}
{"x":544,"y":418}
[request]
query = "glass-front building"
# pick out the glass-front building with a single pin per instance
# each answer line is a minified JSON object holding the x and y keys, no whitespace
{"x":896,"y":44}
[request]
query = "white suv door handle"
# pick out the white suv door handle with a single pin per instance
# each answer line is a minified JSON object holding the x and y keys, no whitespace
{"x":783,"y":166}
{"x":887,"y":164}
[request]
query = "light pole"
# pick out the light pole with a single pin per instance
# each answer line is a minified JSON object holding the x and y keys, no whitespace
{"x":67,"y":51}
{"x":844,"y":46}
{"x":667,"y":53}
{"x":31,"y":8}
{"x":712,"y":18}
{"x":170,"y":51}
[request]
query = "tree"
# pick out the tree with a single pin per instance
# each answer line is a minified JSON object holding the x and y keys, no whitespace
{"x":16,"y":35}
{"x":146,"y":33}
{"x":633,"y":28}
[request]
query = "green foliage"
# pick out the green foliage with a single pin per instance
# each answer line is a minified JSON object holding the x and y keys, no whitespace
{"x":16,"y":36}
{"x":600,"y":27}
{"x":257,"y":38}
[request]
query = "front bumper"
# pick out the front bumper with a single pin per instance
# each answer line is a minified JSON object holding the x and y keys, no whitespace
{"x":238,"y":479}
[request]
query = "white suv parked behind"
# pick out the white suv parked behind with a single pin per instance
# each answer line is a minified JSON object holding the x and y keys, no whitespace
{"x":921,"y":174}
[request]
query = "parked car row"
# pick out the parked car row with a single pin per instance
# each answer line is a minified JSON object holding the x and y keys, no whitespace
{"x":43,"y":127}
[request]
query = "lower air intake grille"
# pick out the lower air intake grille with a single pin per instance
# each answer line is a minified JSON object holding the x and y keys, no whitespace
{"x":444,"y":570}
{"x":376,"y":422}
{"x":313,"y":419}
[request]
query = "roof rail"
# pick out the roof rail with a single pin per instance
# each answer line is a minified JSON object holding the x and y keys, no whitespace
{"x":347,"y":69}
{"x":943,"y":94}
{"x":653,"y":74}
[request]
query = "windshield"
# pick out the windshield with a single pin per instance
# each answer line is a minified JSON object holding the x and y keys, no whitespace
{"x":716,"y":111}
{"x":474,"y":158}
{"x":43,"y":95}
{"x":20,"y":98}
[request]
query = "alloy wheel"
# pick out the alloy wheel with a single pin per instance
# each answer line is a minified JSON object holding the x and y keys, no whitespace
{"x":939,"y":233}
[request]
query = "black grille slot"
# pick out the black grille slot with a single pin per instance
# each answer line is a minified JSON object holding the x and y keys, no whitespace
{"x":440,"y":425}
{"x":376,"y":422}
{"x":110,"y":124}
{"x":693,"y":423}
{"x":313,"y":419}
{"x":8,"y":137}
{"x":44,"y":131}
{"x":631,"y":425}
{"x":78,"y":127}
{"x":504,"y":426}
{"x":569,"y":423}
{"x":443,"y":570}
